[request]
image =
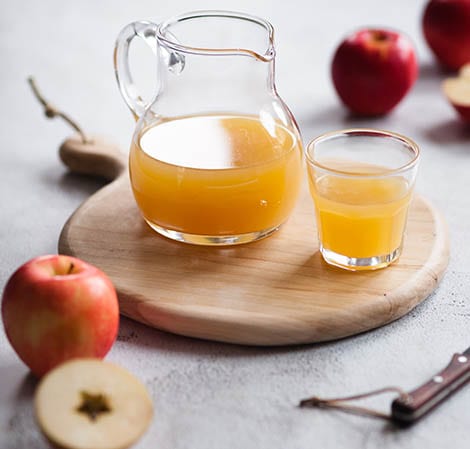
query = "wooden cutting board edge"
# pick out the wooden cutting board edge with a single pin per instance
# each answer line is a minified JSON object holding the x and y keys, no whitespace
{"x":163,"y":315}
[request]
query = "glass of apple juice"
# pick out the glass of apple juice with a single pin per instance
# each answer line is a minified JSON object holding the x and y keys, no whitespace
{"x":361,"y":182}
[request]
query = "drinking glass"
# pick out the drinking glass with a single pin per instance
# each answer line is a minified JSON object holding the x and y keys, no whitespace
{"x":361,"y":182}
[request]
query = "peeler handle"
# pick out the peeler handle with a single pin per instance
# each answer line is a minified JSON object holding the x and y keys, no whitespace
{"x":409,"y":408}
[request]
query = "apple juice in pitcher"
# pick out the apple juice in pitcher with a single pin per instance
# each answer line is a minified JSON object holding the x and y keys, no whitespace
{"x":216,"y":156}
{"x":215,"y":174}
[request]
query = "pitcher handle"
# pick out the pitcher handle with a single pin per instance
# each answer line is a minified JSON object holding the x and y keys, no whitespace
{"x":148,"y":32}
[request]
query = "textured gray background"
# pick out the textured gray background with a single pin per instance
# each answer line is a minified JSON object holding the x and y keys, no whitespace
{"x":210,"y":395}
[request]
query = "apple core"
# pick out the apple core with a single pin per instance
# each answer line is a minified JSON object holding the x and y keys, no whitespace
{"x":93,"y":405}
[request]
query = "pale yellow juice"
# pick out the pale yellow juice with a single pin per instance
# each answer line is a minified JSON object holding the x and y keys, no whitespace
{"x":360,"y":217}
{"x":216,"y":175}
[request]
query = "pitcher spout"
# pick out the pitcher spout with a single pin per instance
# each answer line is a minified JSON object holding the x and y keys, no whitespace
{"x":255,"y":40}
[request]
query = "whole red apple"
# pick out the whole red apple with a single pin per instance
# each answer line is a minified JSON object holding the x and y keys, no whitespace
{"x":56,"y":308}
{"x":373,"y":69}
{"x":446,"y":27}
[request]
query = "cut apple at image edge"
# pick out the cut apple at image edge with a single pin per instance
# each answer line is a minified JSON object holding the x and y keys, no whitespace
{"x":457,"y":91}
{"x":464,"y":72}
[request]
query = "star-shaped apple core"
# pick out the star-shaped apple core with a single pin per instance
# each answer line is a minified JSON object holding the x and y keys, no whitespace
{"x":93,"y":405}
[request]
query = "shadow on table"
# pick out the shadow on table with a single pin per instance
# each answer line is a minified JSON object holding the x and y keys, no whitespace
{"x":27,"y":387}
{"x":21,"y":431}
{"x":18,"y":375}
{"x":134,"y":333}
{"x":450,"y":132}
{"x":71,"y":183}
{"x":376,"y":431}
{"x":431,"y":70}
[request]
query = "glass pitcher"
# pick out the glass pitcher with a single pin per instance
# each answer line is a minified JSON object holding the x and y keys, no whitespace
{"x":216,"y":157}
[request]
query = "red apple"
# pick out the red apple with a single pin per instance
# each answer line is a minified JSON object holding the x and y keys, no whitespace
{"x":56,"y":308}
{"x":457,"y":91}
{"x":446,"y":27}
{"x":373,"y":69}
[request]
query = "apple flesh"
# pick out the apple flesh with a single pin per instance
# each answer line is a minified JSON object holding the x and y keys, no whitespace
{"x":56,"y":308}
{"x":446,"y":28}
{"x":457,"y":91}
{"x":373,"y":69}
{"x":91,"y":404}
{"x":464,"y":72}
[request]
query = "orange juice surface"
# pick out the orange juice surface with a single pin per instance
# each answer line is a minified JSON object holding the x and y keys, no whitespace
{"x":216,"y":175}
{"x":360,"y":217}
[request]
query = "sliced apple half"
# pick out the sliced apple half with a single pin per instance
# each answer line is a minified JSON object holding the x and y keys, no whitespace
{"x":91,"y":404}
{"x":464,"y":72}
{"x":457,"y":91}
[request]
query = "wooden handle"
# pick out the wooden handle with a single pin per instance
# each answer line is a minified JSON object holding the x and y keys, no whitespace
{"x":420,"y":401}
{"x":95,"y":157}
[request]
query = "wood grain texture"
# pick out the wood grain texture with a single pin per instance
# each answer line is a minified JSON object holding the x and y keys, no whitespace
{"x":275,"y":291}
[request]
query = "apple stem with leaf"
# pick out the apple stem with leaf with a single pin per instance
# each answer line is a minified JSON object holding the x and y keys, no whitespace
{"x":52,"y":112}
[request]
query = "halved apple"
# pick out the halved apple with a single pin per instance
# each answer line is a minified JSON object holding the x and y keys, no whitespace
{"x":457,"y":91}
{"x":464,"y":72}
{"x":91,"y":404}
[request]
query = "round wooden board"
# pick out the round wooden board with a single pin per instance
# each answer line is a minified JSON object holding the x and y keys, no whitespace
{"x":275,"y":291}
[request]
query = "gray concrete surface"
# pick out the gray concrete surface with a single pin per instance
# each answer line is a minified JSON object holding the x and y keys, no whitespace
{"x":209,"y":395}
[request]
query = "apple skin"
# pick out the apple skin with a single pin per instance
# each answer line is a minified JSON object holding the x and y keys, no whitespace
{"x":446,"y":28}
{"x":56,"y":308}
{"x":463,"y":111}
{"x":373,"y":69}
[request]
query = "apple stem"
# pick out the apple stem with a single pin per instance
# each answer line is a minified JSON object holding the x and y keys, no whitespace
{"x":51,"y":112}
{"x":71,"y":267}
{"x":380,"y":36}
